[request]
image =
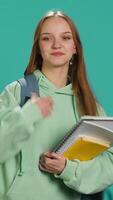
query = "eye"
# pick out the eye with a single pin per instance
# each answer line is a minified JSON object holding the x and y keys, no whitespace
{"x":46,"y":38}
{"x":67,"y":37}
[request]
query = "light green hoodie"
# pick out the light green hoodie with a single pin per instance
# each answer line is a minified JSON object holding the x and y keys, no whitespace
{"x":25,"y":129}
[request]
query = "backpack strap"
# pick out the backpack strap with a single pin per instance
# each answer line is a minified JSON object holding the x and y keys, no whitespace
{"x":29,"y":85}
{"x":96,"y":196}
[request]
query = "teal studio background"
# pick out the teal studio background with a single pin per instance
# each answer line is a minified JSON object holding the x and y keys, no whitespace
{"x":94,"y":19}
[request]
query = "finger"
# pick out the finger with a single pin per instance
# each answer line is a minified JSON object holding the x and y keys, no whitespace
{"x":46,"y":113}
{"x":48,"y":154}
{"x":49,"y":100}
{"x":33,"y":94}
{"x":47,"y":168}
{"x":42,"y":168}
{"x":54,"y":155}
{"x":34,"y":97}
{"x":44,"y":159}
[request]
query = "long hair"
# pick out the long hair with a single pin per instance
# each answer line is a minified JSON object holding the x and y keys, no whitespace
{"x":85,"y":100}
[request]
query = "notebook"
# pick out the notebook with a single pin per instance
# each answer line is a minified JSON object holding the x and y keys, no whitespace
{"x":88,"y":138}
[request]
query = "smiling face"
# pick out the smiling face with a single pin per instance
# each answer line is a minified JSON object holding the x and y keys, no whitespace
{"x":56,"y":42}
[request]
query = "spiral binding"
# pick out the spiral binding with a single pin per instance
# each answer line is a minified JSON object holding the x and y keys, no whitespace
{"x":68,"y":135}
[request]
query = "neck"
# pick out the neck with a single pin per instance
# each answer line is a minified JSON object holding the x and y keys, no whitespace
{"x":58,"y":76}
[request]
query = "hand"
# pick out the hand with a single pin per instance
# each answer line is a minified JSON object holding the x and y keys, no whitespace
{"x":44,"y":103}
{"x":52,"y":162}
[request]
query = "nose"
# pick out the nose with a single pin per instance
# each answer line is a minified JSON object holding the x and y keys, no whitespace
{"x":56,"y":44}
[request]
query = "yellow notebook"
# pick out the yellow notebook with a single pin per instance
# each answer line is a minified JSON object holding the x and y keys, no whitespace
{"x":85,"y":148}
{"x":87,"y":139}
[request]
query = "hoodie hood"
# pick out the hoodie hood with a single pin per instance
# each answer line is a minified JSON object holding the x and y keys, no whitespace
{"x":50,"y":88}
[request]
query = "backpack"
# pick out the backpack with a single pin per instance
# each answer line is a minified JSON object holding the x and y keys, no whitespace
{"x":29,"y":85}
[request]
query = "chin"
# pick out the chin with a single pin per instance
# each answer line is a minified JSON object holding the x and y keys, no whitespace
{"x":59,"y":63}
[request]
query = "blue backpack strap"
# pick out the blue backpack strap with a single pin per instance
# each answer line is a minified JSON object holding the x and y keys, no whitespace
{"x":96,"y":196}
{"x":29,"y":85}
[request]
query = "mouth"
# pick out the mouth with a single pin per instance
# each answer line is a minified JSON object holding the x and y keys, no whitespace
{"x":58,"y":53}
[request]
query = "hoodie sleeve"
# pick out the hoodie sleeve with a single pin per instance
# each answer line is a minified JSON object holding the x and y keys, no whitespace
{"x":16,"y":123}
{"x":89,"y":176}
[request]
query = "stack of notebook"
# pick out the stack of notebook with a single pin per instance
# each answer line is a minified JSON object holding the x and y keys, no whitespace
{"x":87,"y":139}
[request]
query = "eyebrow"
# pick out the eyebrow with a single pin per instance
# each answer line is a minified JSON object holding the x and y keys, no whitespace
{"x":51,"y":33}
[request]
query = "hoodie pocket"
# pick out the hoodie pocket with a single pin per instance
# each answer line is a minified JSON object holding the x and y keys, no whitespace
{"x":13,"y":183}
{"x":17,"y":175}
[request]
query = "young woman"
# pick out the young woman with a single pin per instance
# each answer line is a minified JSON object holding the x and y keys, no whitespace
{"x":28,"y":169}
